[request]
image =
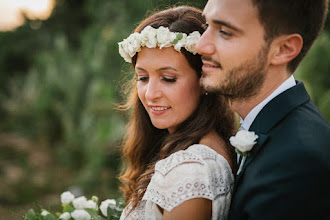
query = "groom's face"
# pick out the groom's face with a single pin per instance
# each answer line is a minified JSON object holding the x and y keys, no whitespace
{"x":233,"y":49}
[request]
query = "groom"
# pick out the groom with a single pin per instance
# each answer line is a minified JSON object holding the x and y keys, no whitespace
{"x":250,"y":50}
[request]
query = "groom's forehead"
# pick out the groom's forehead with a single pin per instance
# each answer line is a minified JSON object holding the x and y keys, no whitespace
{"x":239,"y":13}
{"x":224,"y":7}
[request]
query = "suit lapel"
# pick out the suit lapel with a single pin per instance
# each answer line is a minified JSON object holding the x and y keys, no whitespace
{"x":262,"y":138}
{"x":270,"y":115}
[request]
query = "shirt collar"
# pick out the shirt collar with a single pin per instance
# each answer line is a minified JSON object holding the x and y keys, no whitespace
{"x":287,"y":84}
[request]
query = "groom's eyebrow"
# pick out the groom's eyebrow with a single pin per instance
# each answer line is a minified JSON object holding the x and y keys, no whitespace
{"x":225,"y":23}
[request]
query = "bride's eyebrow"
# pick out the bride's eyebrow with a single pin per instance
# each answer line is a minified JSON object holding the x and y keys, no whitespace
{"x":139,"y":68}
{"x":158,"y":70}
{"x":167,"y":68}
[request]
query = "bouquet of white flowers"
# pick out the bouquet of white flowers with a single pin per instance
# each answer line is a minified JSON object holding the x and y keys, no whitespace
{"x":81,"y":209}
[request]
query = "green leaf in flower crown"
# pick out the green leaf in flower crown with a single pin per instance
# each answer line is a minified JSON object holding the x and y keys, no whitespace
{"x":31,"y":215}
{"x":179,"y":36}
{"x":175,"y":41}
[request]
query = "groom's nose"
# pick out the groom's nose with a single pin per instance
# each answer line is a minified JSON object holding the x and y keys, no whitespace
{"x":205,"y":45}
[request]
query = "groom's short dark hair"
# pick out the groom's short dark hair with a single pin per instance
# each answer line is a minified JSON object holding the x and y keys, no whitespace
{"x":305,"y":17}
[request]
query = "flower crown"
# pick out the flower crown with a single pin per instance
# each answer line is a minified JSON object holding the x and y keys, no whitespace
{"x":160,"y":37}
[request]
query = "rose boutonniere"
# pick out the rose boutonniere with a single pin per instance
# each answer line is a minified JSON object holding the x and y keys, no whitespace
{"x":243,"y":141}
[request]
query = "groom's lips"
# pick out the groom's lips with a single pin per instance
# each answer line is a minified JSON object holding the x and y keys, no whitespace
{"x":209,"y":66}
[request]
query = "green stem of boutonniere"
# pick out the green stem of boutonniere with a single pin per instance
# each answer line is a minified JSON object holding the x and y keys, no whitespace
{"x":242,"y":153}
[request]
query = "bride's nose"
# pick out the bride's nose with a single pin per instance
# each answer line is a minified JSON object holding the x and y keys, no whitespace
{"x":153,"y":90}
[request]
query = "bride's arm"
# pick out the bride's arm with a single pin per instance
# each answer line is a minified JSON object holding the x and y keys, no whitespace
{"x":195,"y":209}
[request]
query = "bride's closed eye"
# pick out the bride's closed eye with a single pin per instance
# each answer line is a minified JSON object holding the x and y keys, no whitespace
{"x":142,"y":78}
{"x":171,"y":80}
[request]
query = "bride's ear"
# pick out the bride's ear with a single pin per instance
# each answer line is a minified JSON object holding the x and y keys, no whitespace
{"x":285,"y":48}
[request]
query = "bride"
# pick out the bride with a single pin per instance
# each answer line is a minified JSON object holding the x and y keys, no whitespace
{"x":178,"y":162}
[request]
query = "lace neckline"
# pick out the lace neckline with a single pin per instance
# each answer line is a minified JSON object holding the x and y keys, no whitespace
{"x":213,"y":151}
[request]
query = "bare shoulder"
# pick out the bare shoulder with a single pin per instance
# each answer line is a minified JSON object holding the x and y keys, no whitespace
{"x":214,"y":141}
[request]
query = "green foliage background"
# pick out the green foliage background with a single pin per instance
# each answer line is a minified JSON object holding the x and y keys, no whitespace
{"x":59,"y":82}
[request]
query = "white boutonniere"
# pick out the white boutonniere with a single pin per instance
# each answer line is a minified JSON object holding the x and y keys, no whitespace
{"x":243,"y":142}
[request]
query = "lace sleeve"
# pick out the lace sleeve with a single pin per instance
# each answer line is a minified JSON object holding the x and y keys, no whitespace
{"x":188,"y":174}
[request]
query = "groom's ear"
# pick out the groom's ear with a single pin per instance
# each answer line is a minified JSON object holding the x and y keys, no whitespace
{"x":285,"y":48}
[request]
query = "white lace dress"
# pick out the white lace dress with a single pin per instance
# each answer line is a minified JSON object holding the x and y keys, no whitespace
{"x":197,"y":172}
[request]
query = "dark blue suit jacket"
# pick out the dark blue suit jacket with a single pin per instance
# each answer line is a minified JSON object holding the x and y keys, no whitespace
{"x":287,"y":175}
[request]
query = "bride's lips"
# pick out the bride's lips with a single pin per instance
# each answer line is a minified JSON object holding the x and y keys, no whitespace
{"x":209,"y":66}
{"x":158,"y":110}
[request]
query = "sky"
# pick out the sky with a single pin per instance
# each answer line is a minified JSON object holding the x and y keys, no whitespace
{"x":11,"y":12}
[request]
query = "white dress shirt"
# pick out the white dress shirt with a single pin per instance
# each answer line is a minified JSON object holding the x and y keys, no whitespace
{"x":247,"y":122}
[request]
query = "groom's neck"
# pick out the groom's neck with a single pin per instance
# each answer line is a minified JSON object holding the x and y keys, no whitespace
{"x":272,"y":81}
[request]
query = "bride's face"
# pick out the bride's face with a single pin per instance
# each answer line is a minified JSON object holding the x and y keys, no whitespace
{"x":167,"y":86}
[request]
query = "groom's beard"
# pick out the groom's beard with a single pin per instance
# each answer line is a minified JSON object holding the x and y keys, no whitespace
{"x":244,"y":81}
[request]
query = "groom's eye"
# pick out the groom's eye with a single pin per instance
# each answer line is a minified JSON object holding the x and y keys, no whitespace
{"x":225,"y":34}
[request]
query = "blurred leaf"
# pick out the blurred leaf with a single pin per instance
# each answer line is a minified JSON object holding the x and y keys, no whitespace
{"x":31,"y":215}
{"x":50,"y":217}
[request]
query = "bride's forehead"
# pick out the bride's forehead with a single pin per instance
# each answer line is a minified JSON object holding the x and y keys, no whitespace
{"x":157,"y":56}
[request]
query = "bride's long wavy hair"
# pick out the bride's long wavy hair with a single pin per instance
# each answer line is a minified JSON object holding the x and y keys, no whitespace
{"x":144,"y":144}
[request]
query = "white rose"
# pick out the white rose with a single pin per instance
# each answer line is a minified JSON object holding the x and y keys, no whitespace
{"x":44,"y":212}
{"x":65,"y":216}
{"x":80,"y":215}
{"x":130,"y":50}
{"x":104,"y":206}
{"x":149,"y":33}
{"x":244,"y":140}
{"x":145,"y":33}
{"x":123,"y":53}
{"x":172,"y":37}
{"x":191,"y":41}
{"x":67,"y":197}
{"x":90,"y":204}
{"x":163,"y":37}
{"x":135,"y":42}
{"x":80,"y":202}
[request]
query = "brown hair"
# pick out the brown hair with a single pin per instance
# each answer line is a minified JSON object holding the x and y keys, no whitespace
{"x":144,"y":144}
{"x":305,"y":17}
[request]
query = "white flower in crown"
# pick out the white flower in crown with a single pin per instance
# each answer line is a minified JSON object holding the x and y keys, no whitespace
{"x":164,"y":37}
{"x":161,"y":37}
{"x":122,"y":51}
{"x":191,"y":41}
{"x":133,"y":44}
{"x":150,"y":37}
{"x":243,"y":141}
{"x":181,"y":41}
